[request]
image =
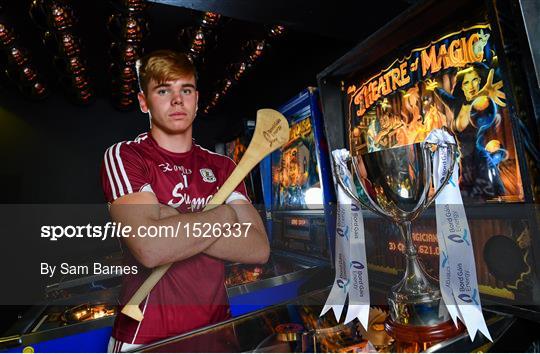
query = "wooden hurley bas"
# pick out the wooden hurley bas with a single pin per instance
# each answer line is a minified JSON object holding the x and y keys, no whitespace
{"x":271,"y":132}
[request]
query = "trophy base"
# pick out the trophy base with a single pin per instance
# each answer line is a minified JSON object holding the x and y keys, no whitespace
{"x":411,"y":339}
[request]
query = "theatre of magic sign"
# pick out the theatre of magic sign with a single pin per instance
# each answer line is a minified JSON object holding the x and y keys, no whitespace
{"x":454,"y":81}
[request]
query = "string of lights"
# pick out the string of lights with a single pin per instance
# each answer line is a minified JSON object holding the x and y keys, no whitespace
{"x":252,"y":51}
{"x":57,"y":21}
{"x":128,"y":27}
{"x":17,"y":64}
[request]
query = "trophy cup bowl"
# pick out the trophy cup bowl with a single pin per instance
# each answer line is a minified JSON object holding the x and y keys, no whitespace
{"x":397,"y":184}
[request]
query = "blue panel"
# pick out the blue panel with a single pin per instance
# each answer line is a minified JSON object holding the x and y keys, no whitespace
{"x":95,"y":341}
{"x":265,"y":169}
{"x":257,"y":300}
{"x":325,"y":170}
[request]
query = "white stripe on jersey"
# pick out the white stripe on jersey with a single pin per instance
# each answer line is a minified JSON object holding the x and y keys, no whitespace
{"x":109,"y":174}
{"x":122,"y":170}
{"x":235,"y":196}
{"x":112,"y":160}
{"x":141,"y":137}
{"x":139,"y":325}
{"x":113,"y":167}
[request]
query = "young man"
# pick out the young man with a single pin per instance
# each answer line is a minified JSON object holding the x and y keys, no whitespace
{"x":163,"y":179}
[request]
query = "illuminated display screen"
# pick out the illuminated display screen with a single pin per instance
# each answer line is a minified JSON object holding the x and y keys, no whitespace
{"x":235,"y":149}
{"x":294,"y":167}
{"x":453,"y":81}
{"x":297,"y":222}
{"x":426,"y":244}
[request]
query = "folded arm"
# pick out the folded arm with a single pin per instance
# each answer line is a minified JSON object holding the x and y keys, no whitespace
{"x":143,"y":209}
{"x":251,"y":246}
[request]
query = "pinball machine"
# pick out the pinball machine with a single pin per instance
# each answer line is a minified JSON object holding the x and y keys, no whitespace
{"x":65,"y":311}
{"x":251,"y":287}
{"x":235,"y":149}
{"x":466,"y":66}
{"x":297,"y":187}
{"x":297,"y":193}
{"x":76,"y":315}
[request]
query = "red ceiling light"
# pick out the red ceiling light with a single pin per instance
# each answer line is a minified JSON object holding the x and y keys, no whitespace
{"x":128,"y":28}
{"x":253,"y":49}
{"x":75,"y":66}
{"x":28,"y":74}
{"x":84,"y":95}
{"x":276,"y":31}
{"x":7,"y":36}
{"x":239,"y":70}
{"x":256,"y":50}
{"x":126,"y":53}
{"x":58,"y":20}
{"x":80,"y":82}
{"x":199,"y":42}
{"x":128,"y":74}
{"x":27,"y":79}
{"x":61,"y":17}
{"x":38,"y":90}
{"x":17,"y":56}
{"x":210,"y":19}
{"x":130,"y":54}
{"x":69,"y":45}
{"x":227,"y":84}
{"x":133,"y":30}
{"x":19,"y":67}
{"x":200,"y":37}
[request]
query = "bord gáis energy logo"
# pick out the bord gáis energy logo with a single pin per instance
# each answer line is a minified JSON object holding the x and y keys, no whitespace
{"x":469,"y":298}
{"x":343,"y":232}
{"x":356,"y":265}
{"x":342,"y":284}
{"x":460,"y":239}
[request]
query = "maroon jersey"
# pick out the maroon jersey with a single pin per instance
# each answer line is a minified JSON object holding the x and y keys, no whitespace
{"x":192,"y":293}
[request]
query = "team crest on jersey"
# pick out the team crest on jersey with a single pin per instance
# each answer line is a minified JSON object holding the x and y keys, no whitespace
{"x":207,"y":175}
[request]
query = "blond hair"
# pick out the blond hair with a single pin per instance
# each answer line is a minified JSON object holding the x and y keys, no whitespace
{"x":164,"y":65}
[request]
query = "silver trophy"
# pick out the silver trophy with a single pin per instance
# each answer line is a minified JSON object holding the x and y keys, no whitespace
{"x":397,"y":183}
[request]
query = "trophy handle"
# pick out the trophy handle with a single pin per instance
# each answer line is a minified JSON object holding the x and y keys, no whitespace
{"x":450,"y":170}
{"x":350,"y":193}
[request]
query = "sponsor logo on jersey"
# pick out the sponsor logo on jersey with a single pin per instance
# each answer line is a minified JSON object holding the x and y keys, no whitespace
{"x":207,"y":175}
{"x":167,"y":167}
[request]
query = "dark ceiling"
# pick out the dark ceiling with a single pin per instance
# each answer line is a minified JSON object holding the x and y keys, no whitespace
{"x":316,"y":34}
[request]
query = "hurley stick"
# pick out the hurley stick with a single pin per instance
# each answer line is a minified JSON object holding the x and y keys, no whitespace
{"x":271,"y":132}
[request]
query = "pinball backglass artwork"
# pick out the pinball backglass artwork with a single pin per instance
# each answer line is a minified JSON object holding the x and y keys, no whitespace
{"x":454,"y":80}
{"x":294,"y":166}
{"x":235,"y":150}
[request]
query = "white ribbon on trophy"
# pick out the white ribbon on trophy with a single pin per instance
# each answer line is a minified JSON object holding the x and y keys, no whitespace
{"x":350,"y":255}
{"x":457,"y":270}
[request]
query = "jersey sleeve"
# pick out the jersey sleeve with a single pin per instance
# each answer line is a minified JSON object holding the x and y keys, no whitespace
{"x":240,"y":193}
{"x":123,"y":172}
